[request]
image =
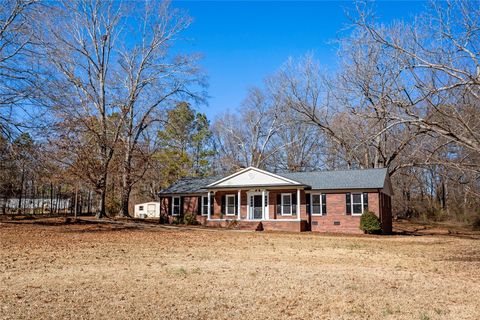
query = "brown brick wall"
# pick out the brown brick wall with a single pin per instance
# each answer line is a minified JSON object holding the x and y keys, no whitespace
{"x":373,"y":203}
{"x":164,"y":205}
{"x":386,"y":213}
{"x":291,"y":226}
{"x":190,"y":205}
{"x":272,"y":204}
{"x":336,"y":211}
{"x":278,"y":225}
{"x":217,"y":205}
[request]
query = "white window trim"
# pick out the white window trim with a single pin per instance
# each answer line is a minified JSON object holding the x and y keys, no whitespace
{"x":203,"y":204}
{"x":321,"y":204}
{"x":226,"y":205}
{"x":291,"y":204}
{"x":173,"y":206}
{"x":351,"y":203}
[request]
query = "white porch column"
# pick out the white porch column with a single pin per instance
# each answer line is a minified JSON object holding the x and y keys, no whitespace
{"x":239,"y":208}
{"x":263,"y":204}
{"x":209,"y":206}
{"x":298,"y":204}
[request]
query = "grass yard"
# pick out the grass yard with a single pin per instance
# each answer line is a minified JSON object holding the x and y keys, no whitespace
{"x":130,"y":271}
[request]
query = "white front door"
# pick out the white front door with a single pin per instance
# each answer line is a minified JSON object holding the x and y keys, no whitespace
{"x":257,"y":206}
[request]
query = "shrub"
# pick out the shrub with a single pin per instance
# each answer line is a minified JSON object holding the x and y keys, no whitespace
{"x":190,"y":219}
{"x":177,"y":220}
{"x":370,"y":223}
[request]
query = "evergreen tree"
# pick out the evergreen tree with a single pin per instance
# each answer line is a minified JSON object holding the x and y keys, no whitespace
{"x":185,"y":141}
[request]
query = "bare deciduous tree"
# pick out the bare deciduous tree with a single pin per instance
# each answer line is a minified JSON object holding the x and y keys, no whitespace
{"x":15,"y":44}
{"x":245,"y":140}
{"x":79,"y":78}
{"x":439,"y":65}
{"x":152,"y":79}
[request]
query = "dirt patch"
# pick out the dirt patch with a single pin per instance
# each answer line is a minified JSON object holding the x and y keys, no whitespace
{"x":126,"y":270}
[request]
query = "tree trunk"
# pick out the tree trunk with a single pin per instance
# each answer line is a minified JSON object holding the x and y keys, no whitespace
{"x":125,"y":201}
{"x":103,"y":196}
{"x":33,"y":198}
{"x":21,"y":190}
{"x":42,"y":201}
{"x":57,"y":202}
{"x":51,"y":198}
{"x":76,"y":203}
{"x":126,"y":184}
{"x":89,"y":202}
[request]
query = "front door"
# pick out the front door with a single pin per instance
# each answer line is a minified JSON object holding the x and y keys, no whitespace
{"x":257,"y":210}
{"x":257,"y":207}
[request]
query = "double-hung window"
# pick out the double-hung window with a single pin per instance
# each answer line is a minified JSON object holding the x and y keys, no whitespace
{"x":176,"y":206}
{"x":286,"y":204}
{"x":204,"y":205}
{"x":318,"y":204}
{"x":357,"y":203}
{"x":230,"y":205}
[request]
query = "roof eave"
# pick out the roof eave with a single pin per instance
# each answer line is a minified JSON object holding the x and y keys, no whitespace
{"x":284,"y":186}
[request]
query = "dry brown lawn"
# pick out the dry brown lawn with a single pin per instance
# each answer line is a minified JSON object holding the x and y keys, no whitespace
{"x":130,"y":271}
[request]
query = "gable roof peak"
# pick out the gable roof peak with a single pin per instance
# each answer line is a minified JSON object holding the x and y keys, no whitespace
{"x":271,"y":177}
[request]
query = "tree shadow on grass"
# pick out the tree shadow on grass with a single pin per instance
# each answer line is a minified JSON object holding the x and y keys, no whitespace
{"x":72,"y":225}
{"x":418,"y":230}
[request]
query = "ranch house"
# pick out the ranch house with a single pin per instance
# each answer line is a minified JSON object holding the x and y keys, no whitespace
{"x":321,"y":201}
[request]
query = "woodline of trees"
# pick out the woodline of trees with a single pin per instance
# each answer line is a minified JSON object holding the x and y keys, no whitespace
{"x":405,"y":96}
{"x":106,"y":73}
{"x":96,"y":100}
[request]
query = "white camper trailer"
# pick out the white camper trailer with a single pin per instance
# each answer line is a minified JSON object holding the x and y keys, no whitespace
{"x":147,"y":210}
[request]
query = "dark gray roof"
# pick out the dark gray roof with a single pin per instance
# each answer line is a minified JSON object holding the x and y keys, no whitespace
{"x":321,"y":180}
{"x":340,"y":179}
{"x":190,"y":185}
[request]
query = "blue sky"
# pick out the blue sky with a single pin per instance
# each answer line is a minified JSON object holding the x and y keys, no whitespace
{"x":244,"y":42}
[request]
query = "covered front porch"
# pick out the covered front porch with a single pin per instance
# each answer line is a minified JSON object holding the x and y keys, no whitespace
{"x":256,"y":204}
{"x":256,"y":195}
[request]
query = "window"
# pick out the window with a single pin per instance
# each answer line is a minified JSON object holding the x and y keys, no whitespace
{"x":318,"y":203}
{"x":176,"y":206}
{"x":286,"y":204}
{"x":140,"y":208}
{"x":204,"y":205}
{"x":230,"y":207}
{"x":357,"y":203}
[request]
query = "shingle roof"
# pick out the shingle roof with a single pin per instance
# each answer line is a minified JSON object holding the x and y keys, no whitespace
{"x":190,"y":185}
{"x":321,"y":180}
{"x":340,"y":179}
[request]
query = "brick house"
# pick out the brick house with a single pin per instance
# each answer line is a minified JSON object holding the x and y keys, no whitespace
{"x":322,"y":201}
